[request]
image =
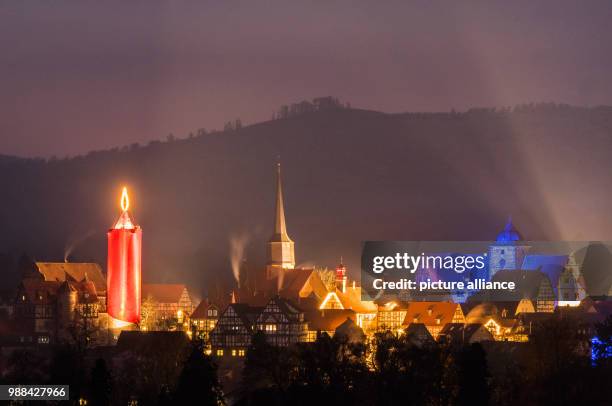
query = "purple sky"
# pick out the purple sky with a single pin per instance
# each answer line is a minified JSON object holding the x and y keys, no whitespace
{"x":76,"y":77}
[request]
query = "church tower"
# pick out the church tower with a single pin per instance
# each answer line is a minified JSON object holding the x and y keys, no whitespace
{"x":281,"y":253}
{"x":508,"y":250}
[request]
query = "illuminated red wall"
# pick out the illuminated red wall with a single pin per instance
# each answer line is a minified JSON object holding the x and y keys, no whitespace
{"x":123,"y":273}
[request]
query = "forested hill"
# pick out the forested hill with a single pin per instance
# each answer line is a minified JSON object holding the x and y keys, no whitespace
{"x":349,"y":175}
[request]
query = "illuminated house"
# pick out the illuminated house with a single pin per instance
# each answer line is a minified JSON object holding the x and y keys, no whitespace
{"x":301,"y":284}
{"x":166,"y":302}
{"x":461,"y":334}
{"x":59,"y":311}
{"x":282,"y":323}
{"x":350,"y":299}
{"x":433,"y":315}
{"x":232,"y":334}
{"x":502,"y":319}
{"x":68,"y":271}
{"x":204,"y":318}
{"x":56,"y":296}
{"x":391,"y":316}
{"x":532,"y":285}
{"x":564,"y":274}
{"x":326,"y":321}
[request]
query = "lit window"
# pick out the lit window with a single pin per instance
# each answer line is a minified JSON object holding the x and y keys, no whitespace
{"x":233,"y":353}
{"x":241,"y":353}
{"x":270,"y":327}
{"x":219,"y":353}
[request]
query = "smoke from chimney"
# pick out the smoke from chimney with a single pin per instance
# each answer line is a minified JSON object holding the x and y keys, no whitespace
{"x":71,"y":245}
{"x":238,"y":245}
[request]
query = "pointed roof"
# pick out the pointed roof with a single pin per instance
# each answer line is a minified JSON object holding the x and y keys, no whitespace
{"x":72,"y":271}
{"x":351,"y":331}
{"x":509,"y":233}
{"x":163,"y":292}
{"x":280,"y":225}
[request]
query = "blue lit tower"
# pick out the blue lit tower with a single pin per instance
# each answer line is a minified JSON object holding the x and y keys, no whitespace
{"x":508,"y":251}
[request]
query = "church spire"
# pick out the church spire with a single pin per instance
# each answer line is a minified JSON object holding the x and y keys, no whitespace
{"x":280,"y":247}
{"x":280,"y":227}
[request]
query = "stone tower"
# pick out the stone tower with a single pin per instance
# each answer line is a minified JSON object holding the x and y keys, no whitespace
{"x":508,"y":251}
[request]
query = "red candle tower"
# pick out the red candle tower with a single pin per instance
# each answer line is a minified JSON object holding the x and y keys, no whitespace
{"x":124,"y":267}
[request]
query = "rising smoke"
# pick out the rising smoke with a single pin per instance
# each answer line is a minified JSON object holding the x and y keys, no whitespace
{"x":74,"y":242}
{"x":238,"y":245}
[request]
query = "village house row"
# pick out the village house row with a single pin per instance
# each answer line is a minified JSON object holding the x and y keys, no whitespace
{"x":65,"y":301}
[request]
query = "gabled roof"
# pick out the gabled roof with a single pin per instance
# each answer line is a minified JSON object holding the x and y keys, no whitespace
{"x":429,"y":313}
{"x":527,"y":284}
{"x":247,"y":314}
{"x":301,"y":281}
{"x":46,"y":292}
{"x":351,"y":299}
{"x":290,"y":310}
{"x":459,"y":332}
{"x":551,"y":265}
{"x":418,"y":333}
{"x":61,"y":271}
{"x":162,"y":292}
{"x":327,"y":320}
{"x":200,"y":311}
{"x":351,"y":331}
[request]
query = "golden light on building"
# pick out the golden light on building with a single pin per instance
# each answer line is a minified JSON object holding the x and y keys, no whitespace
{"x":334,"y":296}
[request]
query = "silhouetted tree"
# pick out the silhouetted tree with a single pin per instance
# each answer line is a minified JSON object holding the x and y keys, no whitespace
{"x":472,"y":376}
{"x":198,"y":382}
{"x":101,"y":384}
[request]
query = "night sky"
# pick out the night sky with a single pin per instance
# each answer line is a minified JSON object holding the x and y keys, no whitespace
{"x":76,"y":77}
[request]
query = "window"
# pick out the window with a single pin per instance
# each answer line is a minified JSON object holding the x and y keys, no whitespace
{"x":233,"y":353}
{"x":219,"y":353}
{"x":270,"y":327}
{"x":241,"y":353}
{"x":43,"y":339}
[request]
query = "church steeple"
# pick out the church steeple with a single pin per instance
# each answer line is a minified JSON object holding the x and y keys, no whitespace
{"x":280,"y":247}
{"x":280,"y":226}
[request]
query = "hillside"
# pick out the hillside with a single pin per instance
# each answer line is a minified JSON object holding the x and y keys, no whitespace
{"x":349,"y":175}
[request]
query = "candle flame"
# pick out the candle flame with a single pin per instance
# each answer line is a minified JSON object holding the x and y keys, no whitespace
{"x":125,"y":200}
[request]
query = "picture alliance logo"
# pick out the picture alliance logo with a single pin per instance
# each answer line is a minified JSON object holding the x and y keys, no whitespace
{"x":411,"y":263}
